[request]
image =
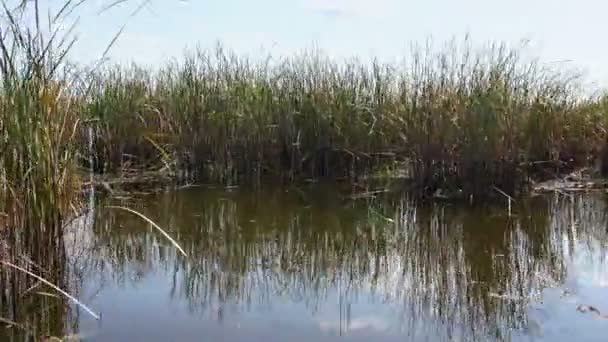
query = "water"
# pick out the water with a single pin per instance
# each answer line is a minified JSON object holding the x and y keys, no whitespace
{"x":304,"y":264}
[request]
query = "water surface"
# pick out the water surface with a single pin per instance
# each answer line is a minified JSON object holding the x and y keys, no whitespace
{"x":305,"y":264}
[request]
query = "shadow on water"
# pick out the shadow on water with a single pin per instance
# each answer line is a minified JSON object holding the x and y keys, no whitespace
{"x":307,"y":265}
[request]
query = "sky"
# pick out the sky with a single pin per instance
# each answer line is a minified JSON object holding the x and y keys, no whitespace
{"x":566,"y":31}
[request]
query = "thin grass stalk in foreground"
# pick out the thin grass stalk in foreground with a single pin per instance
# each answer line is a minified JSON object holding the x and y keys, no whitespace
{"x":11,"y":323}
{"x":507,"y":196}
{"x":51,"y":285}
{"x":153,"y":224}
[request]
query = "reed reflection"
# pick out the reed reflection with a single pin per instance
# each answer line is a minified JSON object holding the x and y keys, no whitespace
{"x":445,"y":271}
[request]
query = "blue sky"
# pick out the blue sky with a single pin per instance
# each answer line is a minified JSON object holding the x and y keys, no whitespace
{"x":558,"y":30}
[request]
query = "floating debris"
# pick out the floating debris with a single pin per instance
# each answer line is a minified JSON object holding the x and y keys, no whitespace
{"x":589,"y":308}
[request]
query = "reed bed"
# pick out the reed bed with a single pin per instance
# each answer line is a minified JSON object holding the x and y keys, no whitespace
{"x":462,"y":119}
{"x":39,"y":121}
{"x":39,"y":185}
{"x":465,"y":119}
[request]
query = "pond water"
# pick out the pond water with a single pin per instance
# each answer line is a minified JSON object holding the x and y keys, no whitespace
{"x":306,"y":264}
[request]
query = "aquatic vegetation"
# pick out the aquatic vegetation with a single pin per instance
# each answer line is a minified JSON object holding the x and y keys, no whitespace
{"x":464,"y":119}
{"x":153,"y":224}
{"x":39,"y":185}
{"x":55,"y":287}
{"x":461,"y":119}
{"x":39,"y":119}
{"x":41,"y":114}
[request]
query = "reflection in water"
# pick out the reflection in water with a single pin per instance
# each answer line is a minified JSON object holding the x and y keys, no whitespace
{"x":302,"y":265}
{"x":440,"y":272}
{"x":30,"y":310}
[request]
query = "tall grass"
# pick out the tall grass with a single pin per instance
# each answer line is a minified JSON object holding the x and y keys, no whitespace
{"x":466,"y":119}
{"x":228,"y":119}
{"x":39,"y":188}
{"x":39,"y":120}
{"x":477,"y":119}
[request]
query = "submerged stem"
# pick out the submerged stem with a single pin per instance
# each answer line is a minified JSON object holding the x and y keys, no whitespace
{"x":154,"y":225}
{"x":51,"y":285}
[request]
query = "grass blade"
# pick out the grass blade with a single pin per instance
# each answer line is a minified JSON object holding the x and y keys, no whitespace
{"x":153,"y":224}
{"x":51,"y":285}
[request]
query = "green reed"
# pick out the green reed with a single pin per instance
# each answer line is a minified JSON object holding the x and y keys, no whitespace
{"x":39,"y":122}
{"x":40,"y":118}
{"x":465,"y":119}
